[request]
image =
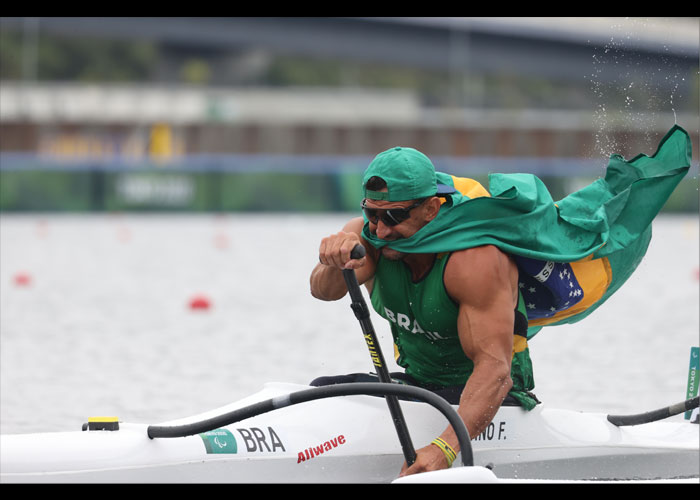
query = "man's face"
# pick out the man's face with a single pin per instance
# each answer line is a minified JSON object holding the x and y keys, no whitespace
{"x":403,"y":229}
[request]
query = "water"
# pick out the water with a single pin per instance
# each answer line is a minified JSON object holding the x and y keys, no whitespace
{"x":625,"y":93}
{"x":104,"y":326}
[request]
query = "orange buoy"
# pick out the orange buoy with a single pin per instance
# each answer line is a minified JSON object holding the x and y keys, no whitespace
{"x":23,"y":279}
{"x":221,"y":241}
{"x":42,"y":228}
{"x":123,"y":234}
{"x":200,"y":302}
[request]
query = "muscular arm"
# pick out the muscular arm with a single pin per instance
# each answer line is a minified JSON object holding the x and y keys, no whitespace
{"x":483,"y":281}
{"x":485,"y":324}
{"x":326,"y":280}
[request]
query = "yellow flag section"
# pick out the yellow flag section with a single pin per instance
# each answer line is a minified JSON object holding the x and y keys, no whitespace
{"x":469,"y":187}
{"x":594,"y":276}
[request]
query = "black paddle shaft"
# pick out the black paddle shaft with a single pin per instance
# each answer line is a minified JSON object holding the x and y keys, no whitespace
{"x":361,"y":311}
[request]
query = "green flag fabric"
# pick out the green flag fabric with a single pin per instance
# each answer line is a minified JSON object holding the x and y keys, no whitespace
{"x":574,"y":253}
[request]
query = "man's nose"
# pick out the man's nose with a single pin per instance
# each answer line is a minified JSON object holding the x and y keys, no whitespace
{"x":383,"y":231}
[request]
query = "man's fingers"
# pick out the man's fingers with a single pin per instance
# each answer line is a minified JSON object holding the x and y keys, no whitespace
{"x":335,"y":251}
{"x":355,"y":263}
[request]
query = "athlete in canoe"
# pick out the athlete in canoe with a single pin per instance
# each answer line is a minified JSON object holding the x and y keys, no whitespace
{"x":465,"y":275}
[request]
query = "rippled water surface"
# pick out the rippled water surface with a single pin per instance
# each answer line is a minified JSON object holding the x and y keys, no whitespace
{"x":102,"y":324}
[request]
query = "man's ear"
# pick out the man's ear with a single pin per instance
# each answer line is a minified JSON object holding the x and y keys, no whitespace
{"x":432,"y":207}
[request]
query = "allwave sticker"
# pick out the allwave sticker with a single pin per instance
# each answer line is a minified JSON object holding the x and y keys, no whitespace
{"x":315,"y":451}
{"x":219,"y":441}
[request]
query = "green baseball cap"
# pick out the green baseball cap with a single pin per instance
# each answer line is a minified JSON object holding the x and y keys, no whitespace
{"x":408,"y":173}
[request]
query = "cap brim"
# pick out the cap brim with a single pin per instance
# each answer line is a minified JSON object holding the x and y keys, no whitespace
{"x":443,"y":189}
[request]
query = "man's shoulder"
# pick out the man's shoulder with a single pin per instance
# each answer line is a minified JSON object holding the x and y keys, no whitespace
{"x":479,"y":269}
{"x":482,"y":253}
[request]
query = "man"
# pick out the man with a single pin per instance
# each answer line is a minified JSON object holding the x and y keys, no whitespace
{"x":462,"y":333}
{"x":466,"y":276}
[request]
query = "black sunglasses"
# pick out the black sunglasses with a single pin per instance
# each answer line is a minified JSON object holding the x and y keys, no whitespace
{"x":389,"y":216}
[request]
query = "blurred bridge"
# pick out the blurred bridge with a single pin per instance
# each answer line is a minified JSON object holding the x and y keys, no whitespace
{"x":555,"y":48}
{"x":214,"y":147}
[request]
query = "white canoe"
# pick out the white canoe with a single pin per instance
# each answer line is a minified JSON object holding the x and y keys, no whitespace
{"x":353,"y":439}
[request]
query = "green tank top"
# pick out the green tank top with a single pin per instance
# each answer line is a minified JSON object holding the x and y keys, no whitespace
{"x":423,"y":321}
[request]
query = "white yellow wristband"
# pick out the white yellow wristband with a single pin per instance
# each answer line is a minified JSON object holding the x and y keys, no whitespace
{"x":450,"y":453}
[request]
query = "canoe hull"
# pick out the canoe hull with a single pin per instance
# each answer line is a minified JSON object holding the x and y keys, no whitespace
{"x":351,"y":439}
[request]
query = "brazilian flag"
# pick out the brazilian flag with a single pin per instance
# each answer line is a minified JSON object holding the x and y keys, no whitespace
{"x":572,"y":254}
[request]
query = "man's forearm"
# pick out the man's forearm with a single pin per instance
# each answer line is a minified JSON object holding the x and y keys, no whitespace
{"x":327,"y":283}
{"x":478,"y":407}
